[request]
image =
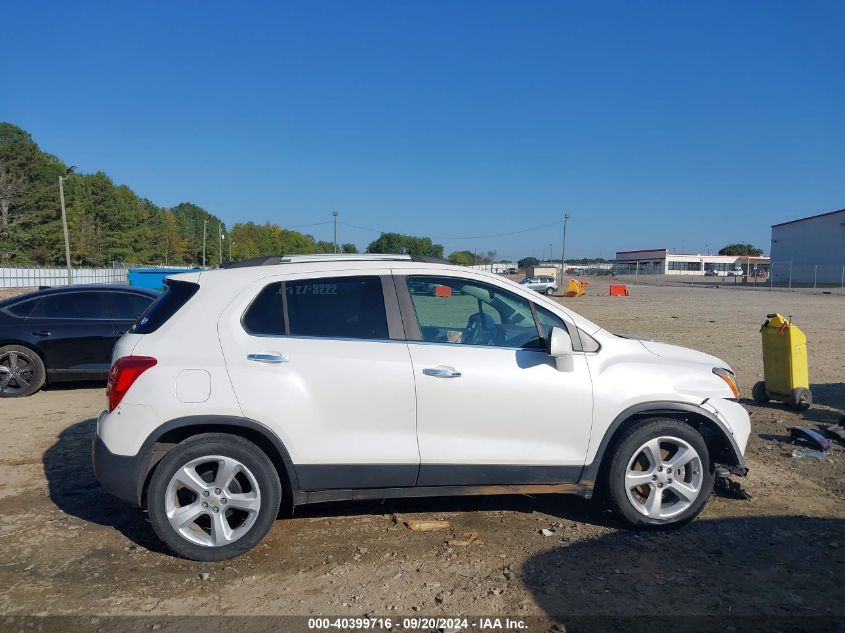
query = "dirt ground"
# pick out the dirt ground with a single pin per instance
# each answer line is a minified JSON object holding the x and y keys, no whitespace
{"x":69,"y":548}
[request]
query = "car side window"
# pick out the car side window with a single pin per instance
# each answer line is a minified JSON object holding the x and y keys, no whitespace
{"x":265,"y":314}
{"x":73,"y":305}
{"x":339,"y":307}
{"x":22,"y":308}
{"x":548,"y":321}
{"x":461,"y":311}
{"x":125,"y":306}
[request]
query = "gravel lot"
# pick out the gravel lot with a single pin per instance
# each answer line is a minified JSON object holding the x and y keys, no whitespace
{"x":68,"y":548}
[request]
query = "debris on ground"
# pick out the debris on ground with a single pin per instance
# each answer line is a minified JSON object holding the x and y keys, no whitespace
{"x":808,"y":453}
{"x":469,"y":539}
{"x":427,"y":526}
{"x":813,"y":438}
{"x":837,"y":430}
{"x":547,"y":532}
{"x":730,"y":489}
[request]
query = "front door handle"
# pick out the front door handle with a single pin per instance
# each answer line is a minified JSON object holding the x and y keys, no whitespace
{"x":442,"y":372}
{"x":42,"y":333}
{"x":272,"y":359}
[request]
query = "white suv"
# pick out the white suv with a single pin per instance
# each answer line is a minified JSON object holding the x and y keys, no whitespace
{"x":321,"y":378}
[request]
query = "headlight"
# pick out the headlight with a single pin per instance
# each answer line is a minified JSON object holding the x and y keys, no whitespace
{"x":728,"y":377}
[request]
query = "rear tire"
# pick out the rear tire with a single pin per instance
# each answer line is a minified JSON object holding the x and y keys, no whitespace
{"x":758,"y":392}
{"x":665,"y":489}
{"x":22,"y":372}
{"x":550,"y":291}
{"x":213,"y":497}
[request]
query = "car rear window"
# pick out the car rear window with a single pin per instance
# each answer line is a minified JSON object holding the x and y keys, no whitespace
{"x":127,"y":306}
{"x":175,"y":295}
{"x":84,"y":305}
{"x":340,"y":307}
{"x":337,"y":307}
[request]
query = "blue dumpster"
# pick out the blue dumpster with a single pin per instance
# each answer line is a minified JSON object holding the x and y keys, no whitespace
{"x":153,"y":277}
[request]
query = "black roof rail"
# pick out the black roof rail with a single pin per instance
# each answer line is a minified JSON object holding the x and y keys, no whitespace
{"x":256,"y":261}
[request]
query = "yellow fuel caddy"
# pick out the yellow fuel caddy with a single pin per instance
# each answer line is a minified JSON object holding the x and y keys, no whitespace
{"x":785,"y":375}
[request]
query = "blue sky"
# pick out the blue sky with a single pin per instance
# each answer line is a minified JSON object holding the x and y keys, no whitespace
{"x":677,"y":124}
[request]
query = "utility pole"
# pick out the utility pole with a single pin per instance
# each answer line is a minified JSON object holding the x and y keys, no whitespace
{"x":563,"y":249}
{"x":204,"y":231}
{"x":334,"y":217}
{"x":64,"y":222}
{"x":220,"y":233}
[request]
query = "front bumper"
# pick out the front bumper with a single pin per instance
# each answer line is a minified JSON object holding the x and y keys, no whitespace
{"x":119,"y":475}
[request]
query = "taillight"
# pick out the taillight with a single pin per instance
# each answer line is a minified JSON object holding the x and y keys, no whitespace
{"x":123,"y":374}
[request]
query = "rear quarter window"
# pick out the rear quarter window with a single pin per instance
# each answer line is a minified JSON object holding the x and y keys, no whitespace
{"x":174,"y":297}
{"x":22,"y":308}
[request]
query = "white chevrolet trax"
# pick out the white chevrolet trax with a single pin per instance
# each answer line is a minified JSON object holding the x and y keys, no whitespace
{"x":323,"y":378}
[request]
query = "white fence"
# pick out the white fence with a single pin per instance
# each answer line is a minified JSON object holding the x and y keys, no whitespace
{"x":496,"y":267}
{"x":35,"y":277}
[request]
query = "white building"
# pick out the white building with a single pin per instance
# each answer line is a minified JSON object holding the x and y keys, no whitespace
{"x":659,"y":261}
{"x":810,"y":250}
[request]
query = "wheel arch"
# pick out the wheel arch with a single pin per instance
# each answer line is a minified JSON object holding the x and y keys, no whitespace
{"x":720,"y":441}
{"x":171,"y":433}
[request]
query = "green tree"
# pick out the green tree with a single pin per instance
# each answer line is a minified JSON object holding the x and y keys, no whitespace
{"x":467,"y":258}
{"x":741,"y":249}
{"x":396,"y":243}
{"x":527,"y":262}
{"x":349,"y":247}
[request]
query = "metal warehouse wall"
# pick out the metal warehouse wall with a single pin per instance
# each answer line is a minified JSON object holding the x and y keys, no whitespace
{"x":817,"y":242}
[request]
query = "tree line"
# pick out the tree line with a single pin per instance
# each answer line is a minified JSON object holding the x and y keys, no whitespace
{"x":108,"y":222}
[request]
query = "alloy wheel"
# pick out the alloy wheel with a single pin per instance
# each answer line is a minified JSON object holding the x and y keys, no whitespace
{"x":212,"y":500}
{"x":664,"y":477}
{"x":17,"y":372}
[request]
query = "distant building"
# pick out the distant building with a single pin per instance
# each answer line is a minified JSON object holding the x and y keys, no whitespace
{"x":810,"y":250}
{"x":659,"y":261}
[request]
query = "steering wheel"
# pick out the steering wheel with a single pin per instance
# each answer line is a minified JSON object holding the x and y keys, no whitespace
{"x":480,"y":329}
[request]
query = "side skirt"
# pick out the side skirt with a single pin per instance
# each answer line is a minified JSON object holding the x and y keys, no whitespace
{"x":583,"y":489}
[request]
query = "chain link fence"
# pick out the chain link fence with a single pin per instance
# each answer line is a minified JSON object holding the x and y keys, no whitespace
{"x":828,"y":278}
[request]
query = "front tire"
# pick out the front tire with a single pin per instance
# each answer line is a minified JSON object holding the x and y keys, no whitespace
{"x":213,"y":497}
{"x":550,"y":291}
{"x":22,"y":372}
{"x":660,"y":474}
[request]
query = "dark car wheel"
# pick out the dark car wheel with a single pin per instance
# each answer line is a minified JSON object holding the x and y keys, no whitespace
{"x":213,"y":497}
{"x":21,"y":372}
{"x":758,"y":392}
{"x":802,"y":399}
{"x":550,"y":291}
{"x":660,"y":474}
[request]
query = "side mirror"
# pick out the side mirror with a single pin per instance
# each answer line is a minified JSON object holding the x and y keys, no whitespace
{"x":560,"y":343}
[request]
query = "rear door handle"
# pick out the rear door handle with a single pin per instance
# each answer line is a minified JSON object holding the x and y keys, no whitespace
{"x":272,"y":359}
{"x":442,"y":372}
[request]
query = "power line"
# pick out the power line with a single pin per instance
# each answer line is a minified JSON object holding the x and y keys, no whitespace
{"x":462,"y":237}
{"x":300,"y":226}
